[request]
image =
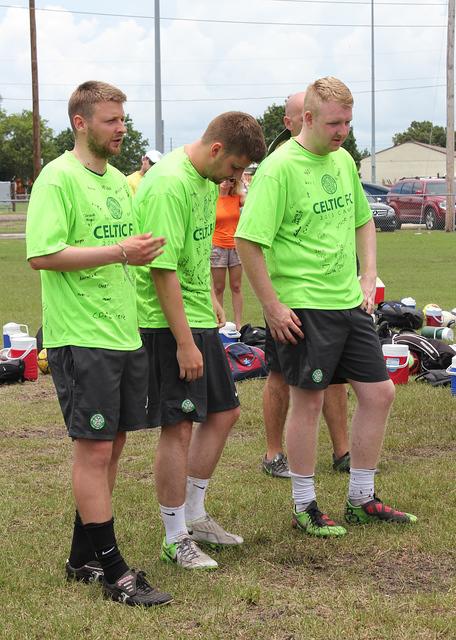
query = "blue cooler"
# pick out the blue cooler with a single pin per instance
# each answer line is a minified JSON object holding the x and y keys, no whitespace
{"x":229,"y":334}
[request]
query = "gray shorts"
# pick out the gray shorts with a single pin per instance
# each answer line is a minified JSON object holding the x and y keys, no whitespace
{"x":337,"y":346}
{"x":101,"y":391}
{"x":221,"y":257}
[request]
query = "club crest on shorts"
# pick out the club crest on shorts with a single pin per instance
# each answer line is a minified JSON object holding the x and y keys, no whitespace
{"x":317,"y":375}
{"x":187,"y":406}
{"x":97,"y":421}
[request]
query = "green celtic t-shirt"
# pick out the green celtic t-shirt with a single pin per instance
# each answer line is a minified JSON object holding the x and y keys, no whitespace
{"x":303,"y":210}
{"x":174,"y":201}
{"x":72,"y":206}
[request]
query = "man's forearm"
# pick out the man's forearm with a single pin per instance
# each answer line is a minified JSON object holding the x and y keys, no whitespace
{"x":254,"y":266}
{"x":78,"y":258}
{"x":366,"y":248}
{"x":170,"y":297}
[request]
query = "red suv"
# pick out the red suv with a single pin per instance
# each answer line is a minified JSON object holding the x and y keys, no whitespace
{"x":419,"y":200}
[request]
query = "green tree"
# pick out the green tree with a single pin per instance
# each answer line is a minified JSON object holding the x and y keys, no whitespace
{"x":134,"y":147}
{"x":423,"y":131}
{"x":352,"y":148}
{"x":272,"y":122}
{"x":16,"y":145}
{"x":64,"y":141}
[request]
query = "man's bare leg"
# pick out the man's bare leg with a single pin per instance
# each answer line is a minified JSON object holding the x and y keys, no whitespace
{"x":335,"y":412}
{"x":275,"y":408}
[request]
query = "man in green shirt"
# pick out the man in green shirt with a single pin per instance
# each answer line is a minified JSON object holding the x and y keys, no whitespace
{"x":81,"y":235}
{"x":275,"y":393}
{"x":307,"y":211}
{"x":190,"y":380}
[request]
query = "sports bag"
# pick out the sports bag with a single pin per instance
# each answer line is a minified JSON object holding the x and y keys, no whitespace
{"x":254,"y":336}
{"x":398,"y":315}
{"x":434,"y":354}
{"x":11,"y":371}
{"x":436,"y":378}
{"x":246,"y":361}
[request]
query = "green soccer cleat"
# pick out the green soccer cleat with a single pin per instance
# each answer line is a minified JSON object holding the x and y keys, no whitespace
{"x":316,"y":523}
{"x":376,"y":511}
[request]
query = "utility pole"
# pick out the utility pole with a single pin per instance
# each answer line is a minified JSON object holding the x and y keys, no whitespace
{"x":449,"y":214}
{"x":159,"y":139}
{"x":373,"y":159}
{"x":35,"y":98}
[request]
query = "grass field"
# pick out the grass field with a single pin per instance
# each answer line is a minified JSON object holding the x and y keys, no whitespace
{"x":379,"y":582}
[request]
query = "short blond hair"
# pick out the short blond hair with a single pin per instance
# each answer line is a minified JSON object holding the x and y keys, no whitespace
{"x":88,"y":94}
{"x":325,"y":90}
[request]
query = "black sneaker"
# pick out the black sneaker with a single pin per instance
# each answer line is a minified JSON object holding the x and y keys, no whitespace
{"x":90,"y":572}
{"x":133,"y":589}
{"x":342,"y":464}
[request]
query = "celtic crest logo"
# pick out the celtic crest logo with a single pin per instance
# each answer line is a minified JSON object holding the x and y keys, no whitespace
{"x":97,"y":421}
{"x":114,"y":208}
{"x":187,"y":406}
{"x":328,"y":183}
{"x":317,"y":375}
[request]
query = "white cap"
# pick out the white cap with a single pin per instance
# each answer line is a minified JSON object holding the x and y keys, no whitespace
{"x":153,"y":155}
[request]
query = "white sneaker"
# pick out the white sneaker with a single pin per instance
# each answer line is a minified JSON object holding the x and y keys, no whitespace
{"x":186,"y":554}
{"x":207,"y":530}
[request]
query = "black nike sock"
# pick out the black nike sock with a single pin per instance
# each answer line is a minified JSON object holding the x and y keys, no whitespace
{"x":103,"y":539}
{"x":82,"y":550}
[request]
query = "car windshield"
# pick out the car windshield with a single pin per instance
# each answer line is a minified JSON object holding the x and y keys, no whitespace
{"x":436,"y":188}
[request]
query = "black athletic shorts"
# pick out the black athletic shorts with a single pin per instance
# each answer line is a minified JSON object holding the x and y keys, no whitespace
{"x":337,"y":346}
{"x":172,"y":400}
{"x":101,"y":391}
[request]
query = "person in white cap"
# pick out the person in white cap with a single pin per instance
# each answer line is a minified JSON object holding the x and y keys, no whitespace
{"x":147,"y":161}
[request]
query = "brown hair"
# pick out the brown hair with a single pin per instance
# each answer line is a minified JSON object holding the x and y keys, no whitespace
{"x":325,"y":90}
{"x":240,"y":134}
{"x":89,"y":93}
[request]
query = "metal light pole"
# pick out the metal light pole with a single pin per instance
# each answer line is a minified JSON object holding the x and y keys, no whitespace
{"x":373,"y":160}
{"x":449,"y":214}
{"x":35,"y":98}
{"x":159,"y":138}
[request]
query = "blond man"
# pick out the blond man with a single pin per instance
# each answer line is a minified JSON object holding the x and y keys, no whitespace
{"x":307,"y":210}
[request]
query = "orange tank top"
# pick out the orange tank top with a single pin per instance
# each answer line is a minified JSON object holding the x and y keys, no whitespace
{"x":227,"y":218}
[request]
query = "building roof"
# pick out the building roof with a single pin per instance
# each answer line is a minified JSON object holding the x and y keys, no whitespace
{"x":432,"y":147}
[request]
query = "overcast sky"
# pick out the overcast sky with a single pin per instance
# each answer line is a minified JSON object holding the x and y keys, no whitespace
{"x":210,"y":67}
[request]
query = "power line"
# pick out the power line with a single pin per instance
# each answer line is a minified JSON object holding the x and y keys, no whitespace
{"x":237,"y":22}
{"x":429,"y":86}
{"x":221,"y":84}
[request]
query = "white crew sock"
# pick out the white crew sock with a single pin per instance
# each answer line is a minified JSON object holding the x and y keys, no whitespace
{"x":194,"y":501}
{"x":361,"y":487}
{"x":174,"y":521}
{"x":303,"y":491}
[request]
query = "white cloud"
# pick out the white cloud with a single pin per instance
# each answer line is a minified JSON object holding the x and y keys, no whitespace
{"x":247,"y":61}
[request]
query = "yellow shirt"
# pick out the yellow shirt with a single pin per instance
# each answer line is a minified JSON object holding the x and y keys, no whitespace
{"x":133,"y":181}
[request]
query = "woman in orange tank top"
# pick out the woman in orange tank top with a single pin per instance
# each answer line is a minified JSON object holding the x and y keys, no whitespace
{"x":224,"y":255}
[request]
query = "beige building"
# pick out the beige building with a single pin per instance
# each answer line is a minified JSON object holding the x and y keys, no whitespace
{"x":406,"y":160}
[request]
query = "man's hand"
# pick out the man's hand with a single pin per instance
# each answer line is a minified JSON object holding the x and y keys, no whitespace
{"x":283,"y":323}
{"x":219,"y":313}
{"x":141,"y":249}
{"x":368,"y":287}
{"x":190,"y":361}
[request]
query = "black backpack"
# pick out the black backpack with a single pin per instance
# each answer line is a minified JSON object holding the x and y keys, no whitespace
{"x":11,"y":371}
{"x":253,"y":336}
{"x":397,"y":315}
